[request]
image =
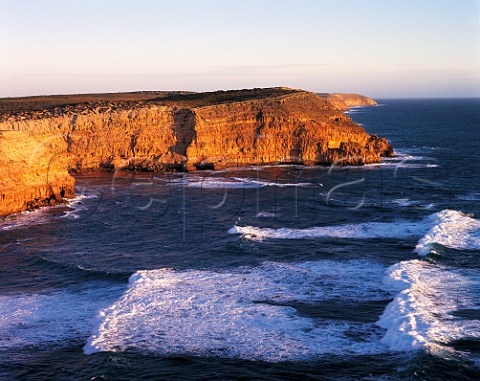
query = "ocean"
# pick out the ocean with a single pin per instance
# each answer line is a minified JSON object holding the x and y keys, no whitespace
{"x":259,"y":273}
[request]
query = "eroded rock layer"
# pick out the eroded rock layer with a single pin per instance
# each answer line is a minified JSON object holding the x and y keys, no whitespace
{"x":32,"y":172}
{"x":171,"y":132}
{"x":345,"y":101}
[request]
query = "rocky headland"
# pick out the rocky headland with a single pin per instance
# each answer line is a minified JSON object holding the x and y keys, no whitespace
{"x":345,"y":101}
{"x":43,"y":140}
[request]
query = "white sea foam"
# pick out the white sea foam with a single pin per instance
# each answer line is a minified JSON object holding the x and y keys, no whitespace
{"x":30,"y":217}
{"x":407,"y":203}
{"x":265,"y":214}
{"x":209,"y":183}
{"x":77,"y":204}
{"x":452,"y":229}
{"x":240,"y":314}
{"x":220,"y":183}
{"x":400,"y":229}
{"x":53,"y":318}
{"x":406,"y":158}
{"x":408,"y":154}
{"x":420,"y":315}
{"x":265,"y":183}
{"x":400,"y":164}
{"x":354,"y":110}
{"x":42,"y":215}
{"x":75,"y":200}
{"x":449,"y":228}
{"x":226,"y":182}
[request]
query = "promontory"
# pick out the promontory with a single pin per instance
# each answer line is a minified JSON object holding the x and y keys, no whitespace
{"x":44,"y":141}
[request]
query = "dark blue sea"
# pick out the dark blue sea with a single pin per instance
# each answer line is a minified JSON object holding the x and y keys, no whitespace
{"x":259,"y":273}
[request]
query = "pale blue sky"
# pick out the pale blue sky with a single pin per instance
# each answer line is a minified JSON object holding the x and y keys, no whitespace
{"x":382,"y":48}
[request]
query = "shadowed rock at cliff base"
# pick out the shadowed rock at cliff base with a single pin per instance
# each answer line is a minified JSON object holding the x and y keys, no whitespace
{"x":177,"y":132}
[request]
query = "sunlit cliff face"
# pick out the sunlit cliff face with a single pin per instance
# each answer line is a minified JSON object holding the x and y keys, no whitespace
{"x":180,"y":132}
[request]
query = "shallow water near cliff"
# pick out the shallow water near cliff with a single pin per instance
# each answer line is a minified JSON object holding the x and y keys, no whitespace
{"x":331,"y":273}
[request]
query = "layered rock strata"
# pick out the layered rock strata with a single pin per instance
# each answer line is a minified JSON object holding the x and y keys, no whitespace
{"x":172,"y":132}
{"x":345,"y":101}
{"x":33,"y":172}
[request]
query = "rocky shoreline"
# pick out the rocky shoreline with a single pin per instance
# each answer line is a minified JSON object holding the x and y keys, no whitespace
{"x":43,"y":140}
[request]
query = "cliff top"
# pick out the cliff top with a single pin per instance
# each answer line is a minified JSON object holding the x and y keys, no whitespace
{"x":36,"y":107}
{"x":41,"y":102}
{"x":45,"y":106}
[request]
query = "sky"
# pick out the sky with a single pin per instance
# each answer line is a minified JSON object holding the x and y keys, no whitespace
{"x":380,"y":48}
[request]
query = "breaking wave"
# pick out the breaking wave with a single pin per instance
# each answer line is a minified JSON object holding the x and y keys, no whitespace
{"x":54,"y":318}
{"x":27,"y":218}
{"x":246,"y":313}
{"x":420,"y":316}
{"x":452,"y":229}
{"x":77,"y":205}
{"x":449,"y":228}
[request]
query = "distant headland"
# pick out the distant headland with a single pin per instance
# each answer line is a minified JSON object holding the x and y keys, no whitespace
{"x":46,"y":139}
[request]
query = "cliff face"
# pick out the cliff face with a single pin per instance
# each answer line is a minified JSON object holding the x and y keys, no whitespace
{"x":345,"y":101}
{"x":32,"y":173}
{"x":194,"y":131}
{"x":299,"y":128}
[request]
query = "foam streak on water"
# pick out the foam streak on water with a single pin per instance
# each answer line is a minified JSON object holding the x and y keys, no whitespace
{"x":227,"y":182}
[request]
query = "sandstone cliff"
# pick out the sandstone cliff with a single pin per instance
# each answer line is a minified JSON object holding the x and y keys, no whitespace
{"x":345,"y":101}
{"x":32,"y":174}
{"x":171,"y":132}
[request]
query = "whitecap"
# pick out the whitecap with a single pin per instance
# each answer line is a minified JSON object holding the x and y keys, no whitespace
{"x":220,"y":183}
{"x":409,"y":154}
{"x":420,"y":314}
{"x":407,"y":203}
{"x":401,"y":229}
{"x":52,"y":318}
{"x":452,"y":229}
{"x":266,"y":183}
{"x":243,"y":313}
{"x":209,"y":183}
{"x":265,"y":214}
{"x":449,"y":228}
{"x":77,"y":204}
{"x":225,"y":182}
{"x":401,"y":164}
{"x":81,"y":197}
